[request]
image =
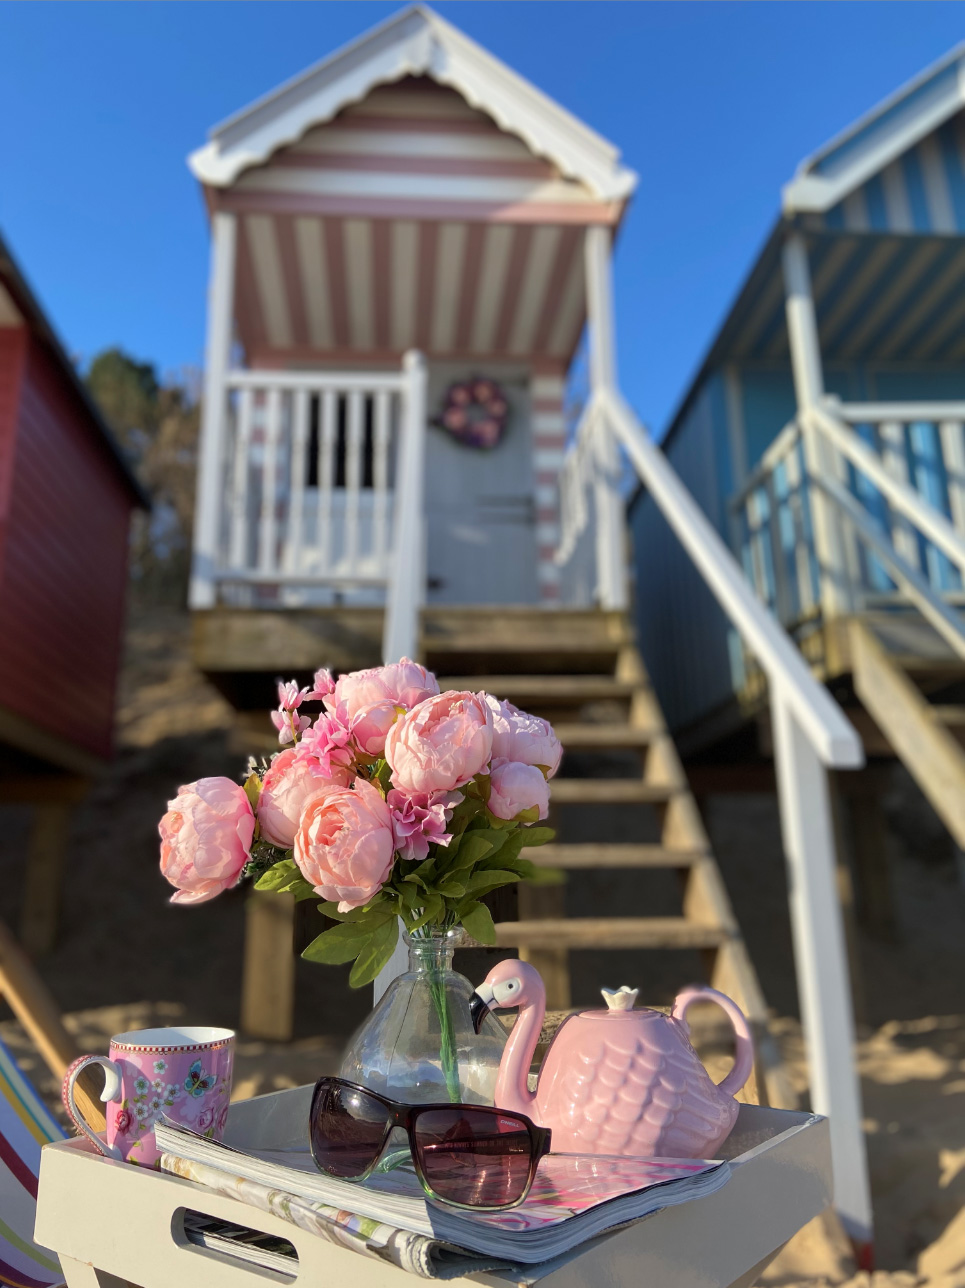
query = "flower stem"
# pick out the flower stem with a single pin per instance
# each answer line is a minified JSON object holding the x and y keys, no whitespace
{"x":447,"y":1046}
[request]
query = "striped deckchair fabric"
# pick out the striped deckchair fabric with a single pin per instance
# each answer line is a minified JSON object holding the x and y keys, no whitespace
{"x":25,"y":1126}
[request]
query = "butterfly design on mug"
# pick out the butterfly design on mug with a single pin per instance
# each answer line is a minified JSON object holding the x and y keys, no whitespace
{"x":198,"y":1082}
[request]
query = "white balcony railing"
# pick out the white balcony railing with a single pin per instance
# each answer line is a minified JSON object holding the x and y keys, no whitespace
{"x":307,"y":501}
{"x":886,"y":482}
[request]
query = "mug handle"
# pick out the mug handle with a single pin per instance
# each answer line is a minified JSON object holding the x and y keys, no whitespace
{"x":113,"y":1078}
{"x":744,"y":1050}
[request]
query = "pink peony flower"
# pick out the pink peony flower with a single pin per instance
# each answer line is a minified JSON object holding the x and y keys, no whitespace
{"x":206,"y":838}
{"x":420,"y":821}
{"x":440,"y":744}
{"x":371,"y":724}
{"x":287,"y":785}
{"x":516,"y":789}
{"x":322,"y":685}
{"x":519,"y":736}
{"x":289,"y":724}
{"x":344,"y":844}
{"x":328,"y":744}
{"x":403,"y":683}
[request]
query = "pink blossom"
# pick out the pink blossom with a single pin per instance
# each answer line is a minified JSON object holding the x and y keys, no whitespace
{"x":403,"y":683}
{"x":289,"y":725}
{"x":328,"y":743}
{"x":123,"y":1121}
{"x":371,"y":724}
{"x":344,"y":844}
{"x":290,"y":696}
{"x":440,"y":744}
{"x":287,"y":785}
{"x":519,"y":736}
{"x":420,"y":821}
{"x":516,"y":790}
{"x":322,"y":685}
{"x":206,"y":838}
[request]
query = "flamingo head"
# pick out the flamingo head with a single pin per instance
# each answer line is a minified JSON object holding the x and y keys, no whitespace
{"x":510,"y":983}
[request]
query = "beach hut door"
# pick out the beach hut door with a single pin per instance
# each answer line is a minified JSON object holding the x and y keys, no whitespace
{"x":481,"y":511}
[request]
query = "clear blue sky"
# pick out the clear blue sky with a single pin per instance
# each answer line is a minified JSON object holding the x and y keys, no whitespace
{"x":713,"y":105}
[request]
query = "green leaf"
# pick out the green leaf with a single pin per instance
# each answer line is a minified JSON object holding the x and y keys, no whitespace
{"x":433,"y":911}
{"x":536,"y":835}
{"x":450,"y":888}
{"x":341,"y":943}
{"x":285,"y":877}
{"x":481,"y":883}
{"x":478,"y":922}
{"x":376,"y":952}
{"x":473,"y":847}
{"x":252,"y":789}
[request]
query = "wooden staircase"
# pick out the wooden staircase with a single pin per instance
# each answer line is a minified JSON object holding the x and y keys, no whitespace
{"x":912,"y":685}
{"x":582,"y":671}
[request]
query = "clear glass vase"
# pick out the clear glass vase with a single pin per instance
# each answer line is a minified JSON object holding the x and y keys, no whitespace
{"x":418,"y":1045}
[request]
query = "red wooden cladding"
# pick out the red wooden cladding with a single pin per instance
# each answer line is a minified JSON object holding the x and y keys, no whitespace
{"x":63,"y":557}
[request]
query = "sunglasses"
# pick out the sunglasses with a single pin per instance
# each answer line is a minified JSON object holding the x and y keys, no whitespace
{"x":469,"y":1156}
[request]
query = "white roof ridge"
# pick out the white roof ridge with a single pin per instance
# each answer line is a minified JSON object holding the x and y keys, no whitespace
{"x":810,"y":190}
{"x":416,"y":41}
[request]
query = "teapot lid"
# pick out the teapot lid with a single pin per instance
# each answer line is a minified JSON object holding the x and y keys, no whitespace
{"x":620,"y":999}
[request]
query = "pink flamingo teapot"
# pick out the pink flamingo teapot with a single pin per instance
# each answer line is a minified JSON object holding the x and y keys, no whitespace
{"x":619,"y":1081}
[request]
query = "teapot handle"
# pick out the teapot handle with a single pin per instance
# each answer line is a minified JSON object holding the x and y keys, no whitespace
{"x":744,"y":1052}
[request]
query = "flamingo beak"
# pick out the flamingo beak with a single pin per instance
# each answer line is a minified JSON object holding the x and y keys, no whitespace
{"x":480,"y":1004}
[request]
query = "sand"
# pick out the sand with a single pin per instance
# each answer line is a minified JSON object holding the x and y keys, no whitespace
{"x":126,"y":958}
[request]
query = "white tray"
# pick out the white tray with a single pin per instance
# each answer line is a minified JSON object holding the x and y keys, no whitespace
{"x":114,"y":1224}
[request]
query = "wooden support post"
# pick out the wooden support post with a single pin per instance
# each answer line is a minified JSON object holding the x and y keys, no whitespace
{"x":610,"y":533}
{"x":43,"y":878}
{"x":214,"y":417}
{"x":268,"y":980}
{"x":820,"y":458}
{"x":871,"y":860}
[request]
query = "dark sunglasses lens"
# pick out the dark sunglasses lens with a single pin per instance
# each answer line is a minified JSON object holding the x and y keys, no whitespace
{"x":348,"y":1129}
{"x":475,"y":1157}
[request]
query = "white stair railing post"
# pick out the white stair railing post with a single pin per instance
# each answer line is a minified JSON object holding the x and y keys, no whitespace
{"x":607,"y":501}
{"x":214,"y":412}
{"x":406,"y":590}
{"x":819,"y":457}
{"x":821,"y":962}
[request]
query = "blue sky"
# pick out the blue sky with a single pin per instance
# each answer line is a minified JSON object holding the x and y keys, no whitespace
{"x":713,"y":105}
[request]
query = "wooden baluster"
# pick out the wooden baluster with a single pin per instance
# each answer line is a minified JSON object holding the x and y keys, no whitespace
{"x":782,"y":596}
{"x":895,"y":460}
{"x":354,"y":450}
{"x":326,"y":478}
{"x":296,"y":497}
{"x":239,"y":482}
{"x":806,"y":590}
{"x":267,"y":524}
{"x":952,"y":434}
{"x":382,"y":431}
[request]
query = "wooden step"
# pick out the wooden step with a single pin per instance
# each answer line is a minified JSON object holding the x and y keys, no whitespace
{"x":601,"y":737}
{"x":558,"y":688}
{"x":608,"y":932}
{"x":602,"y":855}
{"x":952,"y":716}
{"x":607,"y":791}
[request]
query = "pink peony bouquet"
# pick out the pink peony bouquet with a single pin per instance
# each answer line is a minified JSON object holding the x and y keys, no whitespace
{"x":395,"y":802}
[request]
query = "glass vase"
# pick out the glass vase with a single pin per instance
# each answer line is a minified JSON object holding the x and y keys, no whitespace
{"x":418,"y":1045}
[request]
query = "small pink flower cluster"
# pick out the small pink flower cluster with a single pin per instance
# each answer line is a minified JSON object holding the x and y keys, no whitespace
{"x":321,"y":797}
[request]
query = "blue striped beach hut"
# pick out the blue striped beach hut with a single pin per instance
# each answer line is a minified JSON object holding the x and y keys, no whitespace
{"x":823,"y":436}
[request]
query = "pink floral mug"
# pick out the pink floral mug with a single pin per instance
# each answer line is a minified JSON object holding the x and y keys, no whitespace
{"x":183,"y":1073}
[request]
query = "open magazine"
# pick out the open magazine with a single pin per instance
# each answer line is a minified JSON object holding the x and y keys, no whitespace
{"x":575,"y":1197}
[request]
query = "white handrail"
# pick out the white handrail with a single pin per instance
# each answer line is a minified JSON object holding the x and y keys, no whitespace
{"x":929,"y":521}
{"x":869,"y":413}
{"x":406,"y":589}
{"x":833,"y":737}
{"x":317,"y":381}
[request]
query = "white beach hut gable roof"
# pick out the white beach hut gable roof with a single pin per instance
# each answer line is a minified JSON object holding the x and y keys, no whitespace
{"x":414,"y":42}
{"x":876,"y":139}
